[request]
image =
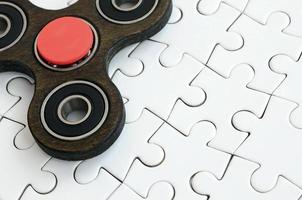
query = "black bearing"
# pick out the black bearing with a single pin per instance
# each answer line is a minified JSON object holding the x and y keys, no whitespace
{"x":109,"y":10}
{"x":50,"y":112}
{"x":17,"y":24}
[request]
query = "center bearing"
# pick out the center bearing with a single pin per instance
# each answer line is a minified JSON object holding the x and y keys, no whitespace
{"x":12,"y":24}
{"x":85,"y":100}
{"x":66,"y":43}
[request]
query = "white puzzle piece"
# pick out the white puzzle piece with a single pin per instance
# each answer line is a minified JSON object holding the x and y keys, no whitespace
{"x":7,"y":100}
{"x":261,"y":10}
{"x":133,"y":143}
{"x":235,"y":184}
{"x":68,"y":188}
{"x":225,"y":97}
{"x":196,"y":34}
{"x":53,"y":4}
{"x":21,"y":168}
{"x":261,"y":43}
{"x":125,"y":63}
{"x":159,"y":191}
{"x":289,"y":88}
{"x":157,"y":88}
{"x":24,"y":90}
{"x":184,"y":156}
{"x":208,"y":7}
{"x":273,"y":143}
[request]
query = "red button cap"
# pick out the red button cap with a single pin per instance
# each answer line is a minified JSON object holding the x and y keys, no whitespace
{"x":65,"y":41}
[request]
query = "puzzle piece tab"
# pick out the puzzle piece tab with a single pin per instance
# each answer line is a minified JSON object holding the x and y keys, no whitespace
{"x":208,"y":7}
{"x":289,"y":88}
{"x":159,"y":191}
{"x":184,"y":156}
{"x":132,"y":143}
{"x":273,"y":143}
{"x":235,"y":184}
{"x":261,"y":43}
{"x":125,"y":63}
{"x":196,"y":34}
{"x":225,"y":97}
{"x":21,"y":168}
{"x":261,"y":10}
{"x":148,"y":91}
{"x":24,"y":90}
{"x":7,"y":100}
{"x":68,"y":188}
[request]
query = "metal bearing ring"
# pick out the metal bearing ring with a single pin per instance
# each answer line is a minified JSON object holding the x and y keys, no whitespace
{"x":12,"y":24}
{"x":75,"y":96}
{"x":126,"y":11}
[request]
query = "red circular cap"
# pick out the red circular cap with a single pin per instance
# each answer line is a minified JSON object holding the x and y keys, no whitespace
{"x":65,"y":41}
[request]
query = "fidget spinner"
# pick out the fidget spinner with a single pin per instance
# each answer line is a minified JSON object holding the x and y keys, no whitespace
{"x":67,"y":53}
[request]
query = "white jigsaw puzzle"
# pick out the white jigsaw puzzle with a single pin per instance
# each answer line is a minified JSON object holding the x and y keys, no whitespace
{"x":158,"y":87}
{"x":213,"y":112}
{"x":224,"y":97}
{"x":273,"y":143}
{"x":235,"y":184}
{"x":261,"y":43}
{"x":184,"y":157}
{"x":204,"y":31}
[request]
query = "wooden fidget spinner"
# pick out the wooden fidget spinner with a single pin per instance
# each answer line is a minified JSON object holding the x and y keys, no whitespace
{"x":67,"y":53}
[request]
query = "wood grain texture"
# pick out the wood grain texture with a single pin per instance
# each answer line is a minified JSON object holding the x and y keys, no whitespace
{"x":113,"y":37}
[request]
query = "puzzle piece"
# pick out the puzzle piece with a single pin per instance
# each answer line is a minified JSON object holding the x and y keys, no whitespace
{"x":7,"y":101}
{"x":261,"y":10}
{"x":184,"y":156}
{"x":273,"y":143}
{"x":235,"y":184}
{"x":53,"y":4}
{"x":289,"y":88}
{"x":196,"y":34}
{"x":132,"y":143}
{"x":225,"y":97}
{"x":24,"y":90}
{"x":21,"y":169}
{"x":148,"y":91}
{"x":208,"y":7}
{"x":125,"y":63}
{"x":68,"y":188}
{"x":261,"y":43}
{"x":161,"y":190}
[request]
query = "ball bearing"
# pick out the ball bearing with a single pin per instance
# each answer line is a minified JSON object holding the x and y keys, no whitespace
{"x":126,"y":11}
{"x":12,"y":24}
{"x":83,"y":97}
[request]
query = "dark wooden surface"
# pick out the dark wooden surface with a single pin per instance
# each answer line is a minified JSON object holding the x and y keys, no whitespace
{"x":112,"y":36}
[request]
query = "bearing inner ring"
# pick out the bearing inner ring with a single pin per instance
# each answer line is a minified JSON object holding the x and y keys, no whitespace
{"x":74,"y":109}
{"x":5,"y":25}
{"x":126,"y":11}
{"x":13,"y":24}
{"x":126,"y":5}
{"x":82,"y":96}
{"x":75,"y":65}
